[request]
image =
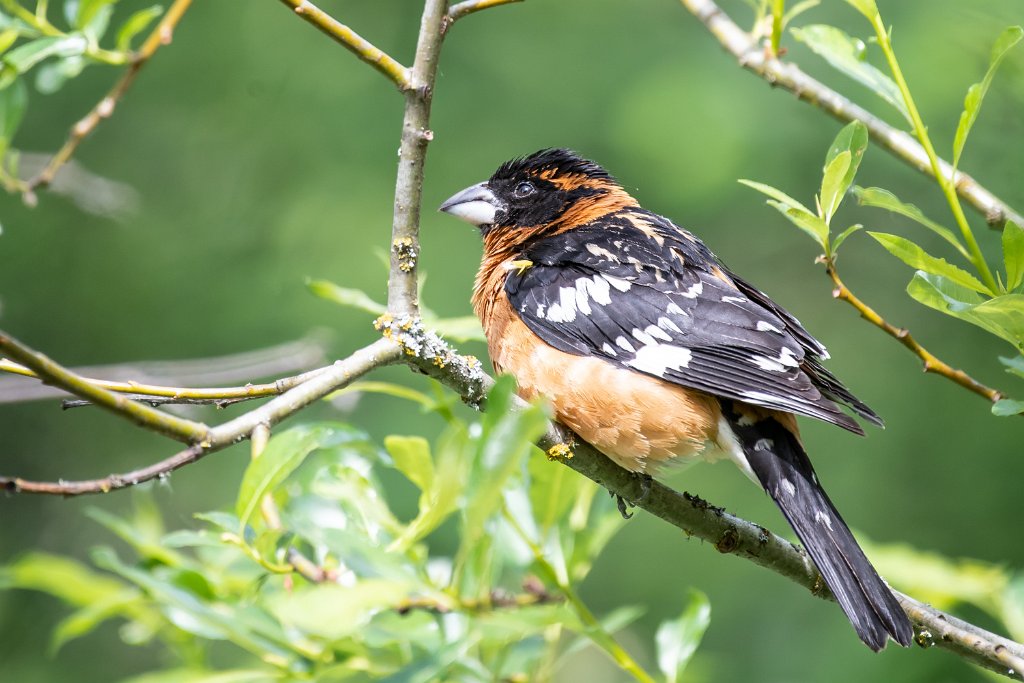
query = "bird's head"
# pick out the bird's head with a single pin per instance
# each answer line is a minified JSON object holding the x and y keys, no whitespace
{"x":545,"y":192}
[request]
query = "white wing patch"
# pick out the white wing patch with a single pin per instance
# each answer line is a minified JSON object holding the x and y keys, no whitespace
{"x":763,"y":326}
{"x":656,"y":358}
{"x":695,"y":290}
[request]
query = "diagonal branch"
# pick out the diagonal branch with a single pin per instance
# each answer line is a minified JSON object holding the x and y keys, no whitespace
{"x":380,"y":353}
{"x":161,"y":35}
{"x":152,"y":377}
{"x":903,"y":336}
{"x":725,"y":532}
{"x":142,"y":415}
{"x":353,"y":42}
{"x":789,"y":76}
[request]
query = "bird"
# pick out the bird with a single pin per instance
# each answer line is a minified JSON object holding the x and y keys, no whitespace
{"x":650,"y":349}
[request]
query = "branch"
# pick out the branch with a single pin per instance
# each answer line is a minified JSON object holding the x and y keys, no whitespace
{"x":161,"y":35}
{"x":725,"y":532}
{"x":151,"y":376}
{"x":144,"y":416}
{"x":457,"y":11}
{"x":403,"y":284}
{"x":380,"y":353}
{"x":353,"y":42}
{"x":789,"y":76}
{"x":903,"y":336}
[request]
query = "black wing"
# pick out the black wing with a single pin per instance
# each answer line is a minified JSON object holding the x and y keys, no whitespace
{"x":638,"y":291}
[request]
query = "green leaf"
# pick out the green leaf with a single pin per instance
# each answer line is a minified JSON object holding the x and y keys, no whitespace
{"x":798,"y":9}
{"x":346,"y":296}
{"x":841,"y":164}
{"x":806,"y":221}
{"x":976,"y":93}
{"x":333,"y":611}
{"x":191,"y":613}
{"x":866,"y":7}
{"x":412,"y":458}
{"x":7,"y":38}
{"x":678,"y":639}
{"x":63,"y":578}
{"x":832,"y":189}
{"x":843,"y":235}
{"x":448,"y":482}
{"x":777,"y":195}
{"x":283,"y":454}
{"x":797,"y":213}
{"x":129,"y":603}
{"x":88,"y":11}
{"x":848,"y":55}
{"x":916,"y":257}
{"x":24,"y":57}
{"x":1013,"y":254}
{"x":883,"y":199}
{"x":1005,"y":318}
{"x":134,"y":25}
{"x":1005,"y":407}
{"x":206,"y":676}
{"x":1014,"y":366}
{"x":13,"y":100}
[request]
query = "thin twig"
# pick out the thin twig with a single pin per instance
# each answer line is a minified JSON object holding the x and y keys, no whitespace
{"x":156,"y":393}
{"x":378,"y":354}
{"x":903,"y":336}
{"x":462,"y":9}
{"x":161,"y":35}
{"x":353,"y":42}
{"x":403,"y":284}
{"x":142,"y":415}
{"x":789,"y":76}
{"x":730,"y":534}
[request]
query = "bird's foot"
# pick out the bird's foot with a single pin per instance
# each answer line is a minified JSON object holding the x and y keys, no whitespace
{"x":645,"y":490}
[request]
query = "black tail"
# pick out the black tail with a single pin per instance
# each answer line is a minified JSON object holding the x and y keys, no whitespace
{"x":781,"y":465}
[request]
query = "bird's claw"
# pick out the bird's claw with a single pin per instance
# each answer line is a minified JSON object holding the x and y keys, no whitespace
{"x":645,"y":490}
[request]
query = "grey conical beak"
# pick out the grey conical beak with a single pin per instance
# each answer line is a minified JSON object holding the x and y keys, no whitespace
{"x":477,"y":205}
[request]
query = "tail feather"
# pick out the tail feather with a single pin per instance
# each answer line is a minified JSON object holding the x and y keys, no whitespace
{"x":779,"y":462}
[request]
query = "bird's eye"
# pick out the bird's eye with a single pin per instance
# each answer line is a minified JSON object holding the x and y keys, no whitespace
{"x":524,"y":189}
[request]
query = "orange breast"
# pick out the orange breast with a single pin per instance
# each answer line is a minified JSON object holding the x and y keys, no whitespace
{"x":638,"y":421}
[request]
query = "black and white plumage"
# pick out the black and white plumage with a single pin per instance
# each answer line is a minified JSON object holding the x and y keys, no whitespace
{"x":650,"y":349}
{"x":639,"y":292}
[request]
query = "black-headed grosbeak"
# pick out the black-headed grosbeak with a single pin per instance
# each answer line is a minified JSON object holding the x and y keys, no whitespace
{"x":650,"y":349}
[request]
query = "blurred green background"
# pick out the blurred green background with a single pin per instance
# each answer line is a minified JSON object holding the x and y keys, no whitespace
{"x":263,"y":154}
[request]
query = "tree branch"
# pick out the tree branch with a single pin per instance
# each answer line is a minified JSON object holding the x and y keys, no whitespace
{"x":403,"y":284}
{"x":725,"y":532}
{"x":789,"y":76}
{"x":353,"y":42}
{"x":380,"y":353}
{"x":286,"y":357}
{"x":161,"y":35}
{"x":462,"y":9}
{"x":142,"y":415}
{"x":903,"y":336}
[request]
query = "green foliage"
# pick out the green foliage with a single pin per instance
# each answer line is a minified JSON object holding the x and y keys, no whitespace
{"x":976,"y":93}
{"x":948,"y":583}
{"x":459,"y":329}
{"x":849,"y":56}
{"x":678,"y":639}
{"x":502,"y":606}
{"x":31,"y":43}
{"x":841,"y":163}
